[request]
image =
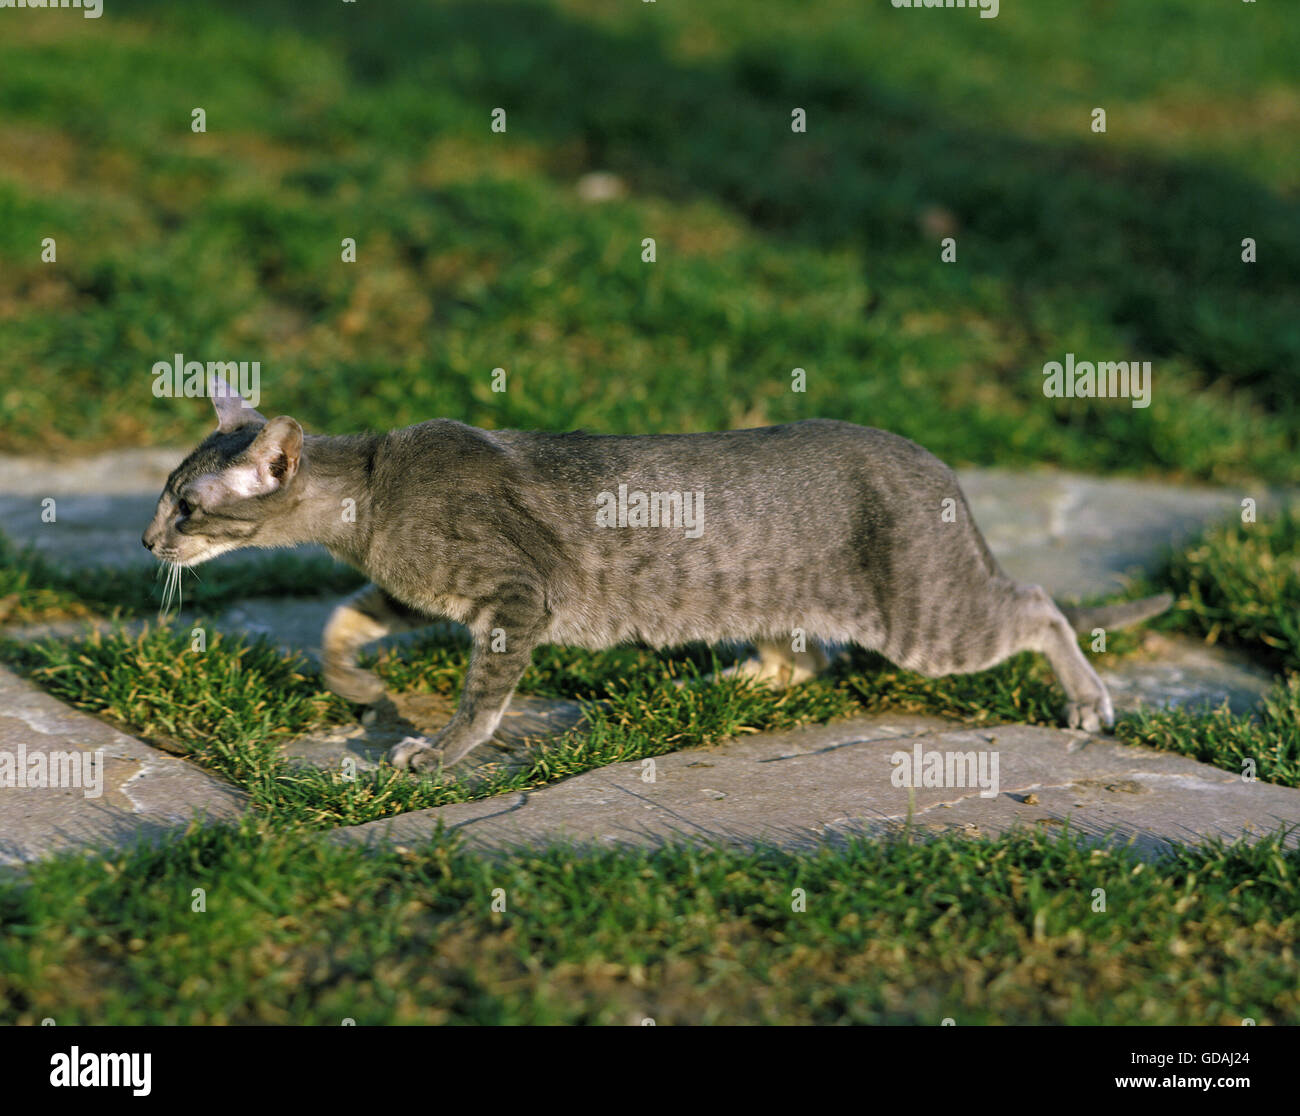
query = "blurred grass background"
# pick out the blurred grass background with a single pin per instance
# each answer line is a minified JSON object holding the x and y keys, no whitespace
{"x":776,"y":250}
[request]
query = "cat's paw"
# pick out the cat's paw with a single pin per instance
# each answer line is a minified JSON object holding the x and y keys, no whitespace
{"x":353,"y":684}
{"x":1091,"y":714}
{"x":416,"y":753}
{"x":431,"y":753}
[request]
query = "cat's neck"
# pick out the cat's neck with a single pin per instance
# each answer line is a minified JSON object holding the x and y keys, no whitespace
{"x":333,"y":496}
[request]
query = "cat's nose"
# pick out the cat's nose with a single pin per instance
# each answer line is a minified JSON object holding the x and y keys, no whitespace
{"x":144,"y":541}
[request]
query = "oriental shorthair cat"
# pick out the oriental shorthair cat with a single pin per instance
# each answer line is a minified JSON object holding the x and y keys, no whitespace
{"x":836,"y":532}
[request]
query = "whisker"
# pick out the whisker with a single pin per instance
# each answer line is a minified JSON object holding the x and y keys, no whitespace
{"x":171,"y":588}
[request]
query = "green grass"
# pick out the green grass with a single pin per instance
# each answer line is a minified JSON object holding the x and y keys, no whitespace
{"x":776,"y":250}
{"x":1271,"y":739}
{"x":295,"y":930}
{"x":1239,"y":584}
{"x":33,"y":589}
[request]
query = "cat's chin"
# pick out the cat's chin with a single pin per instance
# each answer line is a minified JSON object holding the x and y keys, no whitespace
{"x":190,"y":562}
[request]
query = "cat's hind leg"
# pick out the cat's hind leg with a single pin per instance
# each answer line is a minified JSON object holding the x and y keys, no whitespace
{"x":1043,"y":627}
{"x":366,"y":616}
{"x":778,"y":665}
{"x":980,"y":630}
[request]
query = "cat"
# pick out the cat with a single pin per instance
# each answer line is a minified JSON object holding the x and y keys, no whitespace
{"x":820,"y":529}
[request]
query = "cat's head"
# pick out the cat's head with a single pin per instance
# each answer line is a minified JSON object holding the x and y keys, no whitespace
{"x":232,"y":490}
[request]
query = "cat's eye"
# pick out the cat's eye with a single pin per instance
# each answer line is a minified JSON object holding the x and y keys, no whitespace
{"x":183,"y":506}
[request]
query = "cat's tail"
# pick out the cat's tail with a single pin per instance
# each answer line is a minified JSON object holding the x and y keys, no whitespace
{"x":1122,"y":615}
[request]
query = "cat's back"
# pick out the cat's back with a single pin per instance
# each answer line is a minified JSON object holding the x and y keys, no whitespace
{"x":811,"y":446}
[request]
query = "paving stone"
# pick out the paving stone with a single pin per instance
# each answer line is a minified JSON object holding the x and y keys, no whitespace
{"x":290,"y":623}
{"x":1078,"y":536}
{"x":296,"y":623}
{"x":125,"y":472}
{"x":142,"y":792}
{"x":808,"y":787}
{"x":102,"y":503}
{"x":528,"y":724}
{"x":87,"y":528}
{"x":1180,"y":672}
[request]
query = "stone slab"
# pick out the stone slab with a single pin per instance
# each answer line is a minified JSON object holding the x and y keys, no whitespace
{"x":528,"y":724}
{"x":1181,"y":672}
{"x":291,"y":624}
{"x":102,"y":503}
{"x":1078,"y":536}
{"x":812,"y":786}
{"x":143,"y":792}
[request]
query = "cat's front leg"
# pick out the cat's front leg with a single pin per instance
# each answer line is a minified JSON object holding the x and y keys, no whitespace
{"x":505,"y":633}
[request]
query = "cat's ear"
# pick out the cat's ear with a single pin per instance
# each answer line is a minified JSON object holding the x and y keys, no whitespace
{"x":274,"y":455}
{"x":233,"y":411}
